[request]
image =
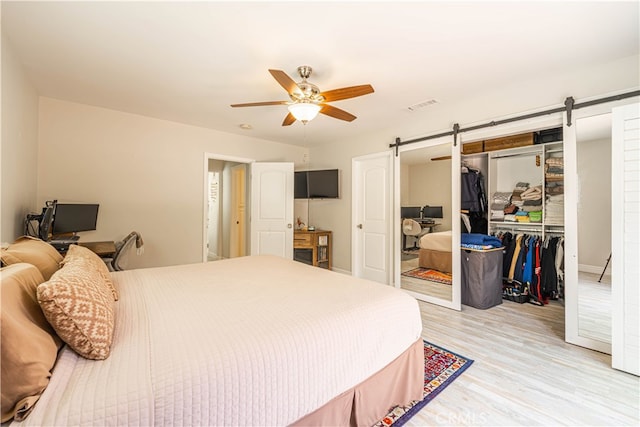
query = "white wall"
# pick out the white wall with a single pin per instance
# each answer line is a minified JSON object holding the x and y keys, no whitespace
{"x":428,"y":187}
{"x":147,"y":174}
{"x":19,"y":146}
{"x":515,"y":97}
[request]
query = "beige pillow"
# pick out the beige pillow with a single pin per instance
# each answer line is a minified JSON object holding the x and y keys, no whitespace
{"x":29,"y":344}
{"x":33,"y":251}
{"x":79,"y":305}
{"x":81,"y":254}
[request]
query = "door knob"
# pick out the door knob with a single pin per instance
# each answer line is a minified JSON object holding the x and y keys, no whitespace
{"x":359,"y":226}
{"x":289,"y":226}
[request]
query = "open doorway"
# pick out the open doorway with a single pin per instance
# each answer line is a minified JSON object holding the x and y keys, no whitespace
{"x":225,"y":219}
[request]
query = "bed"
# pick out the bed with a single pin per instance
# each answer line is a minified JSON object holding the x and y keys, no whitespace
{"x":435,"y":251}
{"x":256,"y":340}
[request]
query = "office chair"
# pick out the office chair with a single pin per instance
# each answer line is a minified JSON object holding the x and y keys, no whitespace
{"x":411,"y":227}
{"x":123,"y":247}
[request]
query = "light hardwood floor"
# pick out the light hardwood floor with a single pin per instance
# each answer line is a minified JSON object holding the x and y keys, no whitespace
{"x":524,"y":373}
{"x":594,"y":306}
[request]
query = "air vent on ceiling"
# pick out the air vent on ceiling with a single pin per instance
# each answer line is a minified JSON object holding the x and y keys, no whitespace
{"x":422,"y":104}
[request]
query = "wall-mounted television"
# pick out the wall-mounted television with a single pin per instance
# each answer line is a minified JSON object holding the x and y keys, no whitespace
{"x":317,"y":184}
{"x":74,"y":217}
{"x":300,"y":190}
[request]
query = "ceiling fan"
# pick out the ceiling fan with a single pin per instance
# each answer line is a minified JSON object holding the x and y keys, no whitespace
{"x":306,"y":100}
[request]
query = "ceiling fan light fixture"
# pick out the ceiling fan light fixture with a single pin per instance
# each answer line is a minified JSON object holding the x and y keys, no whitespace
{"x":304,"y":111}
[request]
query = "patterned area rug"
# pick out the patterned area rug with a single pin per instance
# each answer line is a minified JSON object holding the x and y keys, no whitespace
{"x":428,"y":274}
{"x":441,"y":367}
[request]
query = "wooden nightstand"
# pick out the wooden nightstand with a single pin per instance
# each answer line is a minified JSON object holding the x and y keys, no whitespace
{"x":313,"y":247}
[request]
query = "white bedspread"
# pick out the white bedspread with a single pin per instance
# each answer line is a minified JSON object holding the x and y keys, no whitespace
{"x":440,"y":241}
{"x":247,"y":341}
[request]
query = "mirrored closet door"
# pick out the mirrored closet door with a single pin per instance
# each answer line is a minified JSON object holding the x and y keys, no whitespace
{"x":428,"y":223}
{"x":588,"y":269}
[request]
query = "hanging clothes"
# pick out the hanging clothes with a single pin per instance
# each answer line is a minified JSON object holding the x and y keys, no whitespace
{"x":549,"y":285}
{"x":534,"y":265}
{"x":473,"y":196}
{"x":510,"y":246}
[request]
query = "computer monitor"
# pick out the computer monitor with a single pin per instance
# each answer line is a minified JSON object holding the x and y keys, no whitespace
{"x":410,"y":212}
{"x":74,"y":217}
{"x":432,"y":212}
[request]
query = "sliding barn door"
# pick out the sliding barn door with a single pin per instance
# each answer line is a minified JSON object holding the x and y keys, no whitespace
{"x":625,"y":273}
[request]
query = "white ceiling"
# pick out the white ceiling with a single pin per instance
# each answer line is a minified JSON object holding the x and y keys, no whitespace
{"x":188,"y":61}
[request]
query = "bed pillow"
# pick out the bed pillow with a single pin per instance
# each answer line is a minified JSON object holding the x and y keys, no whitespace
{"x":80,"y":254}
{"x":79,"y":305}
{"x":29,"y":343}
{"x":33,"y":251}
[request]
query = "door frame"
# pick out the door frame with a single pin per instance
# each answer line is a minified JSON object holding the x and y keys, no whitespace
{"x":205,"y":191}
{"x":356,"y":250}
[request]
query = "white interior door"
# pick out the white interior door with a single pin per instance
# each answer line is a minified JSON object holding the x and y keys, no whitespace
{"x":625,"y":293}
{"x":272,"y":209}
{"x":371,"y":222}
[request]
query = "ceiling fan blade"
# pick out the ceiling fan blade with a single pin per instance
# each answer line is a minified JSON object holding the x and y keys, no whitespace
{"x":260,"y":104}
{"x":347,"y":92}
{"x":285,"y":81}
{"x":337,"y":113}
{"x":288,"y":120}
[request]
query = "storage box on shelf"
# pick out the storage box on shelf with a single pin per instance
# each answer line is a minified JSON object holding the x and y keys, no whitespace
{"x":512,"y":141}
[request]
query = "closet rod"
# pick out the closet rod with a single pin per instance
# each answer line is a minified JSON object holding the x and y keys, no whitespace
{"x":569,"y":106}
{"x":519,"y":228}
{"x":527,"y":229}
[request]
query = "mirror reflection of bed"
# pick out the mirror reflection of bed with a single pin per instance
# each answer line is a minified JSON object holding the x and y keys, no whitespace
{"x":426,"y":183}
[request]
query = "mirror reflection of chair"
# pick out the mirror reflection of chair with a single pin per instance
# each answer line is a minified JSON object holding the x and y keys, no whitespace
{"x":411,"y":227}
{"x":124,"y":247}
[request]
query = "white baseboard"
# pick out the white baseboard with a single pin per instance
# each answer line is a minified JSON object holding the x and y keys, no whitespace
{"x":339,"y":270}
{"x":594,"y":269}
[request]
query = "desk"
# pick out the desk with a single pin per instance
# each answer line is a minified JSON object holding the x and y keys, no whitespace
{"x":429,"y":225}
{"x":423,"y":225}
{"x":102,"y":249}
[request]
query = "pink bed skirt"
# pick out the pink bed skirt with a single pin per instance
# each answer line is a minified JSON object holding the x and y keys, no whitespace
{"x":399,"y":383}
